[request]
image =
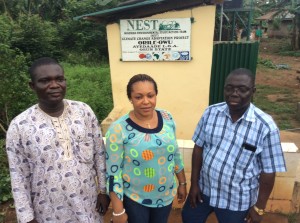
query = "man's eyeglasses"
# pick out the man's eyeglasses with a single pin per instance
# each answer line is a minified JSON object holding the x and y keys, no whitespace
{"x":229,"y":89}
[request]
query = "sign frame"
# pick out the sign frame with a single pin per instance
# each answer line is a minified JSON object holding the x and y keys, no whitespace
{"x":156,"y":39}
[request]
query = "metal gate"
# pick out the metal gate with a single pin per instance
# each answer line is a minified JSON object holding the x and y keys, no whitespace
{"x":228,"y":56}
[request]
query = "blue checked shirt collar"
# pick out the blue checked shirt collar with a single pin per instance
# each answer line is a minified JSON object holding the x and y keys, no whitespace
{"x":248,"y":115}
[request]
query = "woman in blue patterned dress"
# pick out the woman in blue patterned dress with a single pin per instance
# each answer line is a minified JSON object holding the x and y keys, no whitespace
{"x":143,"y":159}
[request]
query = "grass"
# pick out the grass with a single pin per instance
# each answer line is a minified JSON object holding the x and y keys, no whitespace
{"x":292,"y":217}
{"x":290,"y":53}
{"x":275,"y":94}
{"x":92,"y":85}
{"x":5,"y":187}
{"x":280,"y":46}
{"x":266,"y":63}
{"x":282,"y":107}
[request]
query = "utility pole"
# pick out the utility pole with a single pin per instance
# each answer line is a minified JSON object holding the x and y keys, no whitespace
{"x":221,"y":23}
{"x":249,"y":20}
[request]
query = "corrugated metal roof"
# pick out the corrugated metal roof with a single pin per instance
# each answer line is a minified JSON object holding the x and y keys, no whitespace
{"x":134,"y":9}
{"x":283,"y":15}
{"x":268,"y":16}
{"x":106,"y":12}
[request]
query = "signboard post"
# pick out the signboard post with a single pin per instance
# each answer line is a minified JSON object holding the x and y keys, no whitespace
{"x":156,"y":39}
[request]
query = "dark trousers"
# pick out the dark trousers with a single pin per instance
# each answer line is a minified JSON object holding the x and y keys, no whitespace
{"x":200,"y":213}
{"x":138,"y":213}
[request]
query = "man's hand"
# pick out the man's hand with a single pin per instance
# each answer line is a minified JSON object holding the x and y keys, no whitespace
{"x":102,"y":203}
{"x":181,"y":193}
{"x":253,"y":217}
{"x":194,"y":196}
{"x":195,"y":193}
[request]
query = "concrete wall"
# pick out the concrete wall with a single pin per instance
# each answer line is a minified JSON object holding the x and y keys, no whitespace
{"x":183,"y":87}
{"x":285,"y":197}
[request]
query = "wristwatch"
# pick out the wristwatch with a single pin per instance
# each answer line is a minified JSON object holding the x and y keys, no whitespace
{"x":259,"y":211}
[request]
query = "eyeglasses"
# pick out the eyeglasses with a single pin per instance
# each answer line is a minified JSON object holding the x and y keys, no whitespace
{"x":229,"y":89}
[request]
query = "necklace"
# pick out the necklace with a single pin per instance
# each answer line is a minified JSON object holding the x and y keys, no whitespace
{"x":147,"y":122}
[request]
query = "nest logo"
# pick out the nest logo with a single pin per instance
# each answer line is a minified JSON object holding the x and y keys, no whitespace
{"x":142,"y":24}
{"x":170,"y":25}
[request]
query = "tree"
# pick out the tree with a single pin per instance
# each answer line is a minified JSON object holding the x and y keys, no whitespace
{"x":15,"y":94}
{"x":36,"y":37}
{"x":295,"y":9}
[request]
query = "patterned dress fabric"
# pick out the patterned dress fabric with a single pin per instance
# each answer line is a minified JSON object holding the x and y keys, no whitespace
{"x":141,"y":163}
{"x":55,"y":164}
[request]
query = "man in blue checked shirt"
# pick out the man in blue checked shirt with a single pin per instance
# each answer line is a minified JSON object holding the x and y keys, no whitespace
{"x":236,"y":155}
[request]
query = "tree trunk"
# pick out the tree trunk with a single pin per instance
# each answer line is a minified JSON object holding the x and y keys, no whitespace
{"x":296,"y":32}
{"x":297,"y":47}
{"x":293,"y":39}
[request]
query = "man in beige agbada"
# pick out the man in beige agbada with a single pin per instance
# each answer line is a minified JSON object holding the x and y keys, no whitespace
{"x":56,"y":153}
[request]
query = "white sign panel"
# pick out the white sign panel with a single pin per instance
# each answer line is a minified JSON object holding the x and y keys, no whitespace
{"x":156,"y":39}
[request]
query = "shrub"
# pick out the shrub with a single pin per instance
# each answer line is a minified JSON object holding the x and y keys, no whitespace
{"x":36,"y":37}
{"x":266,"y":63}
{"x":276,"y":24}
{"x":83,"y":37}
{"x":91,"y":85}
{"x":5,"y":186}
{"x":6,"y":27}
{"x":15,"y":95}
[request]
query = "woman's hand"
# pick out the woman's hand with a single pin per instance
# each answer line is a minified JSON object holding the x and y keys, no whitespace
{"x":181,"y":190}
{"x":120,"y":219}
{"x":119,"y":213}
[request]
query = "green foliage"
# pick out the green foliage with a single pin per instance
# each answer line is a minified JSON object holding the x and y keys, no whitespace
{"x":76,"y":7}
{"x":292,"y":217}
{"x":91,"y":85}
{"x":46,"y":28}
{"x":290,"y":53}
{"x":6,"y":27}
{"x":5,"y":186}
{"x":86,"y":38}
{"x":36,"y":37}
{"x":87,"y":58}
{"x":284,"y":108}
{"x":15,"y":94}
{"x":276,"y":24}
{"x":50,"y":10}
{"x":266,"y":63}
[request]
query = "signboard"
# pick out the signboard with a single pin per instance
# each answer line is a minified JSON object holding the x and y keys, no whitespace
{"x":156,"y":39}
